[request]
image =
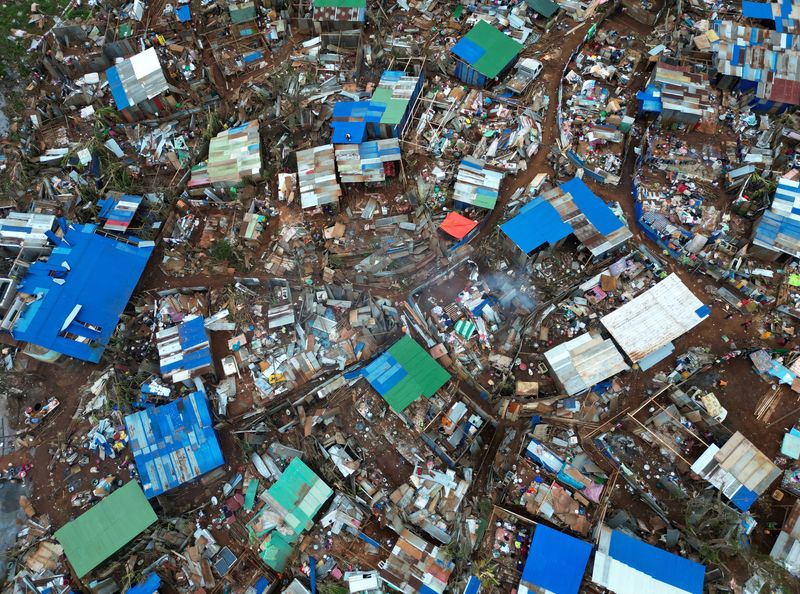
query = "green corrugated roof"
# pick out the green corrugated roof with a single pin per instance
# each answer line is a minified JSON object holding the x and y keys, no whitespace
{"x":425,"y":375}
{"x":546,"y":8}
{"x":301,"y":493}
{"x":395,"y":108}
{"x":340,"y":3}
{"x":500,"y":49}
{"x":94,"y":536}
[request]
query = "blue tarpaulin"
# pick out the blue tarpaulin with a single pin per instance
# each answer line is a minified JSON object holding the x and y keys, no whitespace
{"x":556,"y":562}
{"x":184,"y":13}
{"x":173,"y":443}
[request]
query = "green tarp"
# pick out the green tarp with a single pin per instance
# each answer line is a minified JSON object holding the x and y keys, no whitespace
{"x":94,"y":536}
{"x":546,"y":8}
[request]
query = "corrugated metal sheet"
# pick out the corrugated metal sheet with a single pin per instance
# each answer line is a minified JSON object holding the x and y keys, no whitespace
{"x":584,"y":361}
{"x":477,"y":184}
{"x":655,"y":318}
{"x":487,"y":49}
{"x":556,"y":563}
{"x":25,"y":227}
{"x":738,"y":469}
{"x":316,"y":169}
{"x":779,"y":227}
{"x":235,"y":154}
{"x":184,"y":350}
{"x":627,"y":565}
{"x":363,"y":163}
{"x":118,"y":211}
{"x":136,"y":79}
{"x":173,"y":443}
{"x":100,"y":278}
{"x":570,"y":208}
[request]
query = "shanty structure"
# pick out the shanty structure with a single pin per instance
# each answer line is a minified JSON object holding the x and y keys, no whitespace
{"x":626,"y":565}
{"x":335,"y":15}
{"x":677,"y":95}
{"x":384,"y":116}
{"x":570,"y":209}
{"x":546,"y":9}
{"x":785,"y":15}
{"x":405,"y":372}
{"x":778,"y":230}
{"x":556,"y":563}
{"x":174,"y":443}
{"x":117,"y":211}
{"x":739,"y":469}
{"x":233,"y":156}
{"x":368,"y":162}
{"x":184,"y":350}
{"x":397,"y":92}
{"x":291,"y":504}
{"x":645,"y":327}
{"x":760,"y":62}
{"x":786,"y":550}
{"x":105,"y":528}
{"x":241,"y":11}
{"x":316,"y":170}
{"x":477,"y":184}
{"x":25,"y":229}
{"x":136,"y":79}
{"x":71,"y":304}
{"x":585,"y":361}
{"x":416,"y":566}
{"x":484,"y":54}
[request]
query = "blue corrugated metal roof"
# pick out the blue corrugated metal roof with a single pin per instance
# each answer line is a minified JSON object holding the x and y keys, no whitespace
{"x":657,"y":563}
{"x":384,"y":373}
{"x":352,"y":117}
{"x":597,"y":211}
{"x":173,"y":444}
{"x":537,"y":224}
{"x":101,"y":277}
{"x":468,"y":50}
{"x":556,"y":561}
{"x":117,"y":91}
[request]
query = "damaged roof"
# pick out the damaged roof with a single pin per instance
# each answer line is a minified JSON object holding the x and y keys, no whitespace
{"x":779,"y":228}
{"x":585,"y":361}
{"x":136,"y":79}
{"x":173,"y":443}
{"x":80,"y":292}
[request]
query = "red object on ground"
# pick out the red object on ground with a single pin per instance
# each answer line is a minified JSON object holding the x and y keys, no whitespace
{"x":457,"y":225}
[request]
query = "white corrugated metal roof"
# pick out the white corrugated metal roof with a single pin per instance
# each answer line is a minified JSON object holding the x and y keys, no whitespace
{"x":655,"y":318}
{"x":584,"y":361}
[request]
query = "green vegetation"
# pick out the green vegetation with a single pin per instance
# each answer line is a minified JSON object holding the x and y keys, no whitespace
{"x":15,"y":15}
{"x":223,"y":250}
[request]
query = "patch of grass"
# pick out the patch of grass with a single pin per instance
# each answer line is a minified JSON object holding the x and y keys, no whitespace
{"x":14,"y":15}
{"x":223,"y":250}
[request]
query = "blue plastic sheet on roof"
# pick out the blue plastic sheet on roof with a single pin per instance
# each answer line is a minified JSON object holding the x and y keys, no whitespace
{"x":101,"y":276}
{"x":252,"y":57}
{"x":173,"y":443}
{"x":556,"y":561}
{"x":650,"y":99}
{"x":117,"y":90}
{"x":184,"y":13}
{"x":657,"y":563}
{"x":468,"y":50}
